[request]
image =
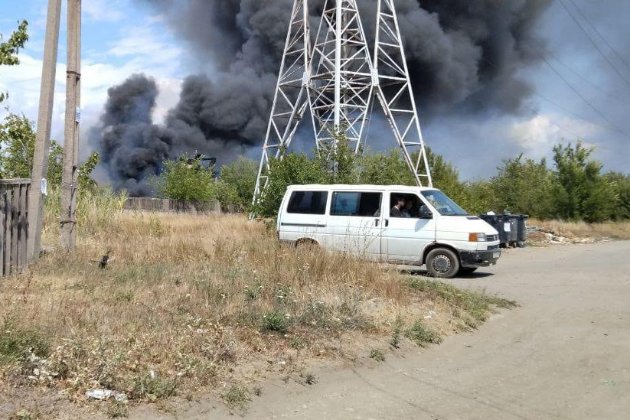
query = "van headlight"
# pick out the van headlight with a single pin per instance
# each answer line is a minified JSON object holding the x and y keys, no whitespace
{"x":477,"y":237}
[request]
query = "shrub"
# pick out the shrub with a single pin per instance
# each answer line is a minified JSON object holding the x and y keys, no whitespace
{"x":275,"y":321}
{"x":238,"y":181}
{"x":17,"y":343}
{"x":237,"y":397}
{"x":187,"y":179}
{"x":377,"y":355}
{"x":422,"y":335}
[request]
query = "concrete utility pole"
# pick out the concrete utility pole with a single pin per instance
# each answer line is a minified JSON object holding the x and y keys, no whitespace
{"x":69,"y":180}
{"x":44,"y":120}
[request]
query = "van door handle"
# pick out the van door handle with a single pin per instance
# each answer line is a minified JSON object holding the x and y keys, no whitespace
{"x":386,"y":222}
{"x":376,"y":222}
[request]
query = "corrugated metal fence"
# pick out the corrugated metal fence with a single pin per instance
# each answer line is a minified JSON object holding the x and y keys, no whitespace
{"x":13,"y":224}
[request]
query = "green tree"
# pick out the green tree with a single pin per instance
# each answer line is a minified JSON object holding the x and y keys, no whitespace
{"x":55,"y":164}
{"x":291,"y":169}
{"x":237,"y":183}
{"x":17,"y":142}
{"x":391,"y":169}
{"x":186,"y":179}
{"x":85,"y":172}
{"x":477,"y":197}
{"x":582,"y":193}
{"x":385,"y":169}
{"x":9,"y":49}
{"x":339,"y":161}
{"x":446,"y":178}
{"x":621,"y":185}
{"x":524,"y":186}
{"x":342,"y":166}
{"x":330,"y":165}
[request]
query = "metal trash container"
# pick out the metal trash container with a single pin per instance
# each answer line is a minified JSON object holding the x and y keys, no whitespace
{"x":522,"y":231}
{"x":497,"y":222}
{"x":511,"y":227}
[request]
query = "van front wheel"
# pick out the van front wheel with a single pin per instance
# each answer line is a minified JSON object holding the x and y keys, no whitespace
{"x":442,"y":263}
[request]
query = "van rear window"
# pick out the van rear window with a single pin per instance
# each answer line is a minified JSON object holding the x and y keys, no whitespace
{"x":308,"y":202}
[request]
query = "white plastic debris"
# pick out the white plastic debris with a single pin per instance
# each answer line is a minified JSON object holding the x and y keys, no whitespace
{"x":106,"y":394}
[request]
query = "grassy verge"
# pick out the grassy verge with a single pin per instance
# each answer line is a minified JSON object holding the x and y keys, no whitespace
{"x":582,"y":231}
{"x":195,"y":303}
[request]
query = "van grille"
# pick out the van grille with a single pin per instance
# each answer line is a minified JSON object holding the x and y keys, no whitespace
{"x":492,"y":238}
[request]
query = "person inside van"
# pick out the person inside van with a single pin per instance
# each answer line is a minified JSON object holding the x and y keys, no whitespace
{"x":396,"y":211}
{"x":406,"y":211}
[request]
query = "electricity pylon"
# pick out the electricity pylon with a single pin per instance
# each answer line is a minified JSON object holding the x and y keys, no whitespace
{"x":395,"y":93}
{"x":341,"y":83}
{"x":289,"y":101}
{"x":337,"y":78}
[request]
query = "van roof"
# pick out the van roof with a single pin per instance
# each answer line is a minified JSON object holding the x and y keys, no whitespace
{"x":354,"y":187}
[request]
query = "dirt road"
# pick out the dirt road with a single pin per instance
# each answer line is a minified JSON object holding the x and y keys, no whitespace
{"x":565,"y":353}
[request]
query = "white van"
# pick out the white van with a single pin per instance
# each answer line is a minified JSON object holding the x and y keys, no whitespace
{"x":391,"y":223}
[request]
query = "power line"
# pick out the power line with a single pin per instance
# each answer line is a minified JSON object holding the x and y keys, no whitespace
{"x":588,"y":81}
{"x":577,"y":92}
{"x":557,"y":105}
{"x":590,"y":37}
{"x":614,"y":50}
{"x":609,"y":123}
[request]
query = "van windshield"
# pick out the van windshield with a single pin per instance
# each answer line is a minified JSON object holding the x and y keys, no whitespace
{"x":443,"y":204}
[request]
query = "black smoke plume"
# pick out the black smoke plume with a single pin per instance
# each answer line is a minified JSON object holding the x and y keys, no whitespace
{"x":463,"y":55}
{"x":132,"y":148}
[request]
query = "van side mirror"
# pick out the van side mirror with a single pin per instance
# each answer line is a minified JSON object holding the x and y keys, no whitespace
{"x":425,"y":213}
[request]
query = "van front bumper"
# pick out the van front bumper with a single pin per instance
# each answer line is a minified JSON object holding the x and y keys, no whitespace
{"x":479,"y":258}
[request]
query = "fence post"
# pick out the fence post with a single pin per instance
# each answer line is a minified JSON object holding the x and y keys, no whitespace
{"x":3,"y":227}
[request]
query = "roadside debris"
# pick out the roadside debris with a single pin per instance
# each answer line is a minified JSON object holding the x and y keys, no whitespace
{"x":106,"y":394}
{"x":537,"y":236}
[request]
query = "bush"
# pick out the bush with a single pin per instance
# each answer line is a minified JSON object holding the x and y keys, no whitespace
{"x":187,"y":179}
{"x":575,"y":190}
{"x":524,"y":186}
{"x":17,"y":343}
{"x":96,"y":208}
{"x":581,"y":192}
{"x":422,"y":335}
{"x":17,"y":142}
{"x":237,"y":183}
{"x":275,"y":321}
{"x":292,"y":169}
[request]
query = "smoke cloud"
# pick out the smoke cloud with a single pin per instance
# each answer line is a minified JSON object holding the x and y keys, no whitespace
{"x":463,"y":55}
{"x":132,"y":148}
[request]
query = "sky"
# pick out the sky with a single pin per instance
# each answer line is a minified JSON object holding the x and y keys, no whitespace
{"x":581,"y":89}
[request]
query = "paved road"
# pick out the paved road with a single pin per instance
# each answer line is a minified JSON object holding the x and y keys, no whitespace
{"x":564,"y":354}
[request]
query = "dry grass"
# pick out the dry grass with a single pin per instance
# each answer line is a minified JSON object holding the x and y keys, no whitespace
{"x":583,"y":230}
{"x":193,"y":302}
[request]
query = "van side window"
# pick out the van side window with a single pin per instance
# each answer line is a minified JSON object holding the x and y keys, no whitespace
{"x":308,"y":202}
{"x":362,"y":204}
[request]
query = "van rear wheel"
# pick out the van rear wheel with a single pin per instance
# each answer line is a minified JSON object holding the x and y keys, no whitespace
{"x":306,"y":244}
{"x":442,"y":263}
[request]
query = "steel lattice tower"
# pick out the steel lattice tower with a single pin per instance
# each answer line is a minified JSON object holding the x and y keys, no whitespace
{"x":337,"y":78}
{"x":341,"y":84}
